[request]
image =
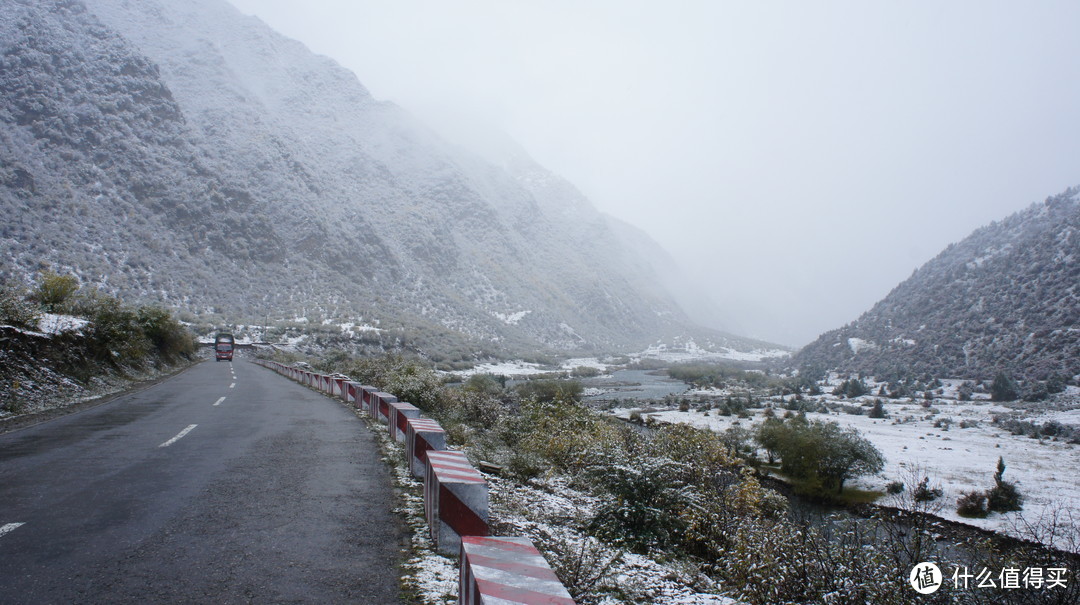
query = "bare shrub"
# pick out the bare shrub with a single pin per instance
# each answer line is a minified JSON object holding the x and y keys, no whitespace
{"x":585,"y":568}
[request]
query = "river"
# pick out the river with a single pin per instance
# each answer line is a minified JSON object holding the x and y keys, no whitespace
{"x":633,"y":384}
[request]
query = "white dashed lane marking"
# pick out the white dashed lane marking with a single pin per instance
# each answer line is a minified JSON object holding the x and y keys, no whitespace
{"x":218,"y":402}
{"x":232,"y":385}
{"x":179,"y":436}
{"x":10,"y":527}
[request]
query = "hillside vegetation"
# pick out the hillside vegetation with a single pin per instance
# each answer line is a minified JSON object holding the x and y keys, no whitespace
{"x":60,"y":342}
{"x":184,"y":154}
{"x":1005,"y":300}
{"x":674,"y":514}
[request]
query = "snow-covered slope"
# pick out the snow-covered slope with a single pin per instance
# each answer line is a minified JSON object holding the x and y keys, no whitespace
{"x":184,"y":152}
{"x":1005,"y":299}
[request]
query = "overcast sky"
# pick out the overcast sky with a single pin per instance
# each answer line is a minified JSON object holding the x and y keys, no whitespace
{"x":801,"y":158}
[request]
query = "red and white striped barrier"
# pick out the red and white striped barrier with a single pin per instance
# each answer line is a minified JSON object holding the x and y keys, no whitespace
{"x":353,"y":393}
{"x":373,"y":402}
{"x":494,"y":570}
{"x":421,"y":436}
{"x":380,"y":405}
{"x":366,"y":391}
{"x":455,"y":500}
{"x":400,"y":412}
{"x":507,"y":570}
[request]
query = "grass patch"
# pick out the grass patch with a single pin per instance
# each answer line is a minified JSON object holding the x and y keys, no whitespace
{"x":852,"y":496}
{"x":812,"y":489}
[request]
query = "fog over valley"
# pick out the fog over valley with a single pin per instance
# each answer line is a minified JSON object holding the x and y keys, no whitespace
{"x":600,"y":303}
{"x":798,"y":160}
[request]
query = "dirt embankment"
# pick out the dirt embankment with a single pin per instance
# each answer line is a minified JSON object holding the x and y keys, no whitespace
{"x":43,"y":376}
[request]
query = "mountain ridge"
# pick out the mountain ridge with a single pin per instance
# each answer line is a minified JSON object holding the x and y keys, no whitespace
{"x":1006,"y":299}
{"x":185,"y":153}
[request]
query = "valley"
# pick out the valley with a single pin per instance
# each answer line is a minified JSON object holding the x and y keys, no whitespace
{"x":171,"y":170}
{"x":955,"y":443}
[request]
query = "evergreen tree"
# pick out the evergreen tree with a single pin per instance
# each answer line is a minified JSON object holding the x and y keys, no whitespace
{"x":1004,"y":388}
{"x":1004,"y":496}
{"x":965,"y":391}
{"x":878,"y":410}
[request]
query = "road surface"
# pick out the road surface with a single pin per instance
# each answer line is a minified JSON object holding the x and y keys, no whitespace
{"x":224,"y":484}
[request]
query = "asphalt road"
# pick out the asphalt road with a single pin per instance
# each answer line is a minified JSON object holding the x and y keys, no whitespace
{"x":224,"y":484}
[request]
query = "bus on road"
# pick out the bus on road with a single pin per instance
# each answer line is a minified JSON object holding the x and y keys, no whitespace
{"x":223,"y":347}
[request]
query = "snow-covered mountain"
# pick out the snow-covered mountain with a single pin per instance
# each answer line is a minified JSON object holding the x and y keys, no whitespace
{"x":1005,"y":299}
{"x":184,"y":152}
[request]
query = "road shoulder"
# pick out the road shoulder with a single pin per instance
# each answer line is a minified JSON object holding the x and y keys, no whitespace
{"x":11,"y":424}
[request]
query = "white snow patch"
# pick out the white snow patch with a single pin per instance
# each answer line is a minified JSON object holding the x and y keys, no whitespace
{"x":858,"y":344}
{"x":292,"y":341}
{"x":352,"y":329}
{"x":51,"y":323}
{"x":548,"y":509}
{"x":690,"y":351}
{"x":586,"y":362}
{"x":505,"y":368}
{"x":511,"y":319}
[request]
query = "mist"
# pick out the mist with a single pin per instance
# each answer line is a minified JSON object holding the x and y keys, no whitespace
{"x":797,"y":160}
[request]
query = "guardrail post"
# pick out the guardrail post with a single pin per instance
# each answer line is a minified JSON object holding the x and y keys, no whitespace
{"x":400,"y":412}
{"x":380,"y":409}
{"x":421,"y":436}
{"x":455,"y":500}
{"x":364,"y":397}
{"x":507,"y":570}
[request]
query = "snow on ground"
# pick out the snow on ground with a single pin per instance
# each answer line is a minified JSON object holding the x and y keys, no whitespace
{"x":689,"y":352}
{"x":511,"y":319}
{"x":525,"y":368}
{"x":587,"y":362}
{"x":293,"y":341}
{"x":1064,"y":417}
{"x":547,"y":510}
{"x":51,"y":323}
{"x":352,"y":329}
{"x":960,"y":459}
{"x":692,"y":352}
{"x":543,"y":513}
{"x":505,"y":368}
{"x":858,"y":344}
{"x":429,"y":576}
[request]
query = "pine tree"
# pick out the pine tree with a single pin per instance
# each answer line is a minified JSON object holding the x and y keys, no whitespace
{"x":1003,"y":388}
{"x":878,"y":410}
{"x":1004,"y":496}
